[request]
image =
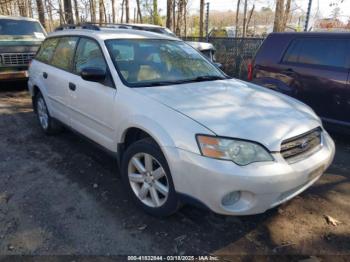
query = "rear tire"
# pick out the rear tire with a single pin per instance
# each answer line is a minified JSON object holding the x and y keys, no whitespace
{"x":49,"y":125}
{"x":146,"y":175}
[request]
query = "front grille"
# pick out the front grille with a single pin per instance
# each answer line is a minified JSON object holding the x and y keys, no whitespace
{"x":301,"y":147}
{"x":14,"y":59}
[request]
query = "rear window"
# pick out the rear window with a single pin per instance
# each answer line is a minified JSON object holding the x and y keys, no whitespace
{"x":317,"y":51}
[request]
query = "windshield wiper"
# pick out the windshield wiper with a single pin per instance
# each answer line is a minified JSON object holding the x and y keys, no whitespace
{"x":206,"y":78}
{"x":177,"y":82}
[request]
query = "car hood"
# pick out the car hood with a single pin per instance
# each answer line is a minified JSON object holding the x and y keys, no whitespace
{"x":233,"y":108}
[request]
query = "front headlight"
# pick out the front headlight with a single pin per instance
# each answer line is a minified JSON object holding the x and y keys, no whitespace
{"x":239,"y":151}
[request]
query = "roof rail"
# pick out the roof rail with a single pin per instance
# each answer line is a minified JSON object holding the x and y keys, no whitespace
{"x":88,"y":26}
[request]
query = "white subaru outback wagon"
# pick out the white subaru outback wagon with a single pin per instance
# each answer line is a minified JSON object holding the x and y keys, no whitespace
{"x":182,"y":130}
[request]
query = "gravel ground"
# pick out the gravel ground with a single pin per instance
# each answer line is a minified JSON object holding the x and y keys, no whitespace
{"x":61,"y":196}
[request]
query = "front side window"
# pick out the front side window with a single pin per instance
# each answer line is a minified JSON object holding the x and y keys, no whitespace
{"x":15,"y":27}
{"x":319,"y":51}
{"x":47,"y":49}
{"x":64,"y":53}
{"x":148,"y":62}
{"x":88,"y":55}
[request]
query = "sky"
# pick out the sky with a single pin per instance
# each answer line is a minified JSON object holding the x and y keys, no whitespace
{"x":320,"y":7}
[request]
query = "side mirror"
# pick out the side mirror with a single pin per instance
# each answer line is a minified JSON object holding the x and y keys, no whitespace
{"x":218,"y":65}
{"x":93,"y":74}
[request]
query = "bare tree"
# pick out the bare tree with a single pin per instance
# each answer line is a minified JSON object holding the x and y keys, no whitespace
{"x":286,"y":14}
{"x":76,"y":11}
{"x":60,"y":11}
{"x":41,"y":12}
{"x":68,"y":14}
{"x":122,"y":8}
{"x":22,"y":7}
{"x":250,"y":17}
{"x":126,"y":11}
{"x":101,"y":10}
{"x":113,"y":11}
{"x":139,"y":14}
{"x":282,"y":14}
{"x":201,"y":18}
{"x":93,"y":11}
{"x":279,"y":12}
{"x":156,"y":18}
{"x":237,"y":16}
{"x":244,"y":34}
{"x":169,"y":11}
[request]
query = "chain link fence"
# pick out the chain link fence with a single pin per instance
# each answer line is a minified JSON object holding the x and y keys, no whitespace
{"x":234,"y":54}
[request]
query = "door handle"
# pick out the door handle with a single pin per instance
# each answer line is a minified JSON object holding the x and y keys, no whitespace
{"x":288,"y":72}
{"x":45,"y":75}
{"x":72,"y":86}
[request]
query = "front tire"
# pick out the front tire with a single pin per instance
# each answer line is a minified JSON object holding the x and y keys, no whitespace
{"x":49,"y":125}
{"x":147,"y":177}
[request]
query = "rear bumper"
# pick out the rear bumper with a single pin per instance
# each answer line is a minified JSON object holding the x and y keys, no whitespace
{"x":13,"y":75}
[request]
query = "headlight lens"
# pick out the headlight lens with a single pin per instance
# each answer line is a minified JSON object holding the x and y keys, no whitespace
{"x":239,"y":151}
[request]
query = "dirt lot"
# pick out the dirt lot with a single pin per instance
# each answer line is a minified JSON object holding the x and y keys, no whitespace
{"x":62,"y":195}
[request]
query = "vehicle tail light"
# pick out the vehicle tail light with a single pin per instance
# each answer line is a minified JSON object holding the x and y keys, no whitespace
{"x":250,"y":71}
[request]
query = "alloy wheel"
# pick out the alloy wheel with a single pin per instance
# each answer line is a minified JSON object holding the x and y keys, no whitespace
{"x":42,"y":113}
{"x":148,"y":180}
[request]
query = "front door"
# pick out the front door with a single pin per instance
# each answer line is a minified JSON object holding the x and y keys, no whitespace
{"x":92,"y":106}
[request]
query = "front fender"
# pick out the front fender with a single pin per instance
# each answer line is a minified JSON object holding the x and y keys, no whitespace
{"x":147,"y":124}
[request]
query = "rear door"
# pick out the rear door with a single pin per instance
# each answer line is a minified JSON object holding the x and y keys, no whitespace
{"x":92,"y":103}
{"x":317,"y":69}
{"x":57,"y":75}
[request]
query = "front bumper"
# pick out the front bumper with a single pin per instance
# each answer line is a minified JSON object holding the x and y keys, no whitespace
{"x":261,"y":185}
{"x":13,"y":75}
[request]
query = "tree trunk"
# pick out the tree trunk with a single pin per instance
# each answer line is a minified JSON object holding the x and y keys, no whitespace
{"x":122,"y":16}
{"x":169,"y":11}
{"x":127,"y":11}
{"x":179,"y":17}
{"x":185,"y":16}
{"x":93,"y":11}
{"x":286,"y":15}
{"x":76,"y":11}
{"x":237,"y":17}
{"x":113,"y":11}
{"x":23,"y":8}
{"x":279,"y":13}
{"x":41,"y":12}
{"x":139,"y":14}
{"x":250,"y":17}
{"x":49,"y":11}
{"x":49,"y":22}
{"x":60,"y":11}
{"x":68,"y":13}
{"x":245,"y":18}
{"x":201,"y":16}
{"x":101,"y":12}
{"x":156,"y":19}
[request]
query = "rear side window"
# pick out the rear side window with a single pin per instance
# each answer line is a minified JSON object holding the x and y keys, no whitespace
{"x":64,"y":52}
{"x":317,"y":51}
{"x":46,"y":50}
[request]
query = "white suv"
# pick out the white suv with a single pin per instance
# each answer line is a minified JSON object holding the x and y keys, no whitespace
{"x":182,"y":130}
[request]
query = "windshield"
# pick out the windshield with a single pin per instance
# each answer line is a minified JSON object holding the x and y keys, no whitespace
{"x":20,"y":27}
{"x":149,"y":62}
